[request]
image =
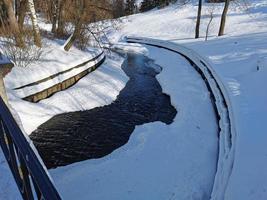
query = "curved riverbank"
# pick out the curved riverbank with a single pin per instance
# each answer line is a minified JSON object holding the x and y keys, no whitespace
{"x":77,"y":136}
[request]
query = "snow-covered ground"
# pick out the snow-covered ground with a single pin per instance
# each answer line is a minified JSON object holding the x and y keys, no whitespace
{"x":177,"y":161}
{"x":8,"y":187}
{"x":54,"y":59}
{"x":241,"y":65}
{"x":240,"y":59}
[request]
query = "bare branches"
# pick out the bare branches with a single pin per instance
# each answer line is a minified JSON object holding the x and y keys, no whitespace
{"x":211,"y":16}
{"x":21,"y":57}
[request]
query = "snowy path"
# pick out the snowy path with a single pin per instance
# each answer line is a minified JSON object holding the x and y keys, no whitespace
{"x":160,"y":161}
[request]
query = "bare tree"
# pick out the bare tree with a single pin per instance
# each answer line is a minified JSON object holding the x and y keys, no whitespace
{"x":56,"y":13}
{"x":21,"y":12}
{"x":36,"y":31}
{"x":80,"y":5}
{"x":223,"y":18}
{"x":60,"y":17}
{"x":198,"y":18}
{"x":53,"y":16}
{"x":211,"y":16}
{"x":85,"y":13}
{"x":13,"y":24}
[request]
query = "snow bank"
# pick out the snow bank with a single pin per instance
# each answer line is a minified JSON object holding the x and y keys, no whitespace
{"x":227,"y":132}
{"x":98,"y":88}
{"x":8,"y":189}
{"x":30,"y":90}
{"x":241,"y":67}
{"x":239,"y":60}
{"x":54,"y":59}
{"x":160,"y":161}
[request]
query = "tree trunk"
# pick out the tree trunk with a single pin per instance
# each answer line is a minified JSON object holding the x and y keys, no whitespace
{"x":60,"y":18}
{"x":80,"y":4}
{"x":22,"y":13}
{"x":36,"y":30}
{"x":16,"y":4}
{"x":13,"y":24}
{"x":54,"y":15}
{"x":223,"y":18}
{"x":198,"y":18}
{"x":73,"y":37}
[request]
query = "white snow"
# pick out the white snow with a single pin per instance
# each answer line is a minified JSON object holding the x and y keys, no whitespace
{"x":54,"y":59}
{"x":237,"y":65}
{"x":29,"y":90}
{"x":8,"y":189}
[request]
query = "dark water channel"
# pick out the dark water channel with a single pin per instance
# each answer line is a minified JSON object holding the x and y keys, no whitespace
{"x":76,"y":136}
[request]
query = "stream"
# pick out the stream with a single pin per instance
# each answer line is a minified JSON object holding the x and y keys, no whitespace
{"x":76,"y":136}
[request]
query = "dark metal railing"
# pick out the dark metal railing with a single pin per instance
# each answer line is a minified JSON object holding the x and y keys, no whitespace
{"x":30,"y":175}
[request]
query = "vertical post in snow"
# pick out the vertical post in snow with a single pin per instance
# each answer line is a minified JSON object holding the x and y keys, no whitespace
{"x":198,"y":18}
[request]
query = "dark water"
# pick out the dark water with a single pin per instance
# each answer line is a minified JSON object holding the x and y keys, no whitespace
{"x":77,"y":136}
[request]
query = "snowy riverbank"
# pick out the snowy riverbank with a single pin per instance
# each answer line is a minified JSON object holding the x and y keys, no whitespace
{"x":240,"y":59}
{"x":99,"y":88}
{"x":176,"y":161}
{"x":96,"y":89}
{"x":162,"y":157}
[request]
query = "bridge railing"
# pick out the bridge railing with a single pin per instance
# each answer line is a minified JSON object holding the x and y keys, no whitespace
{"x":32,"y":179}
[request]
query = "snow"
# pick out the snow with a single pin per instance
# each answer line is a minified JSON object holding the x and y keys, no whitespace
{"x":160,"y":161}
{"x":223,"y":105}
{"x":30,"y":90}
{"x":248,"y":180}
{"x":8,"y":189}
{"x":54,"y":59}
{"x":183,"y":166}
{"x":239,"y":60}
{"x":237,"y":64}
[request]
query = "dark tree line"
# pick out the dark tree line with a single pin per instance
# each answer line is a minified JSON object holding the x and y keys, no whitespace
{"x":147,"y":5}
{"x":130,"y":7}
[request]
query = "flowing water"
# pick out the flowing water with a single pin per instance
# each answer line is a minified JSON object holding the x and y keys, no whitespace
{"x":76,"y":136}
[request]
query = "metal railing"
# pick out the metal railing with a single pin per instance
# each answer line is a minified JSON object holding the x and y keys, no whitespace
{"x":32,"y":179}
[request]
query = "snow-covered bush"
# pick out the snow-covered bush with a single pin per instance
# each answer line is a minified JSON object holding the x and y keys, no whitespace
{"x":21,"y":57}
